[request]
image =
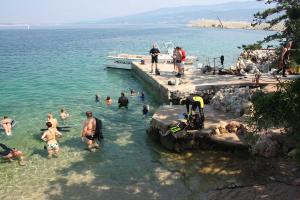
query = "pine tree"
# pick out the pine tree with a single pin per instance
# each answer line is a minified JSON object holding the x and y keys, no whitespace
{"x":286,"y":12}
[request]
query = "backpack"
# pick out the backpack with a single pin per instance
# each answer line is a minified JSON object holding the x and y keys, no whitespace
{"x":183,"y":52}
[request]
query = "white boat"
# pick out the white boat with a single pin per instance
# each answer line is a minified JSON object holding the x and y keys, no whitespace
{"x":166,"y":56}
{"x":162,"y":58}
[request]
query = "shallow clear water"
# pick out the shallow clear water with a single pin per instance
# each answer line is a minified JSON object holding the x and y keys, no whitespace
{"x":42,"y":71}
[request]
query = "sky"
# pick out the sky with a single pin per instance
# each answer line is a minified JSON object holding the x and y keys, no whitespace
{"x":68,"y":11}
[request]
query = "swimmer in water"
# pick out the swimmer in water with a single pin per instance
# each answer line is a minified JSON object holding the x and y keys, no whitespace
{"x":108,"y":101}
{"x":142,"y":96}
{"x":97,"y":98}
{"x":53,"y":121}
{"x":132,"y":92}
{"x":6,"y":124}
{"x":145,"y":110}
{"x":89,"y":131}
{"x":63,"y":114}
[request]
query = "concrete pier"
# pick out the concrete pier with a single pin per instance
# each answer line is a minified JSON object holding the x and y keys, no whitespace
{"x":192,"y":82}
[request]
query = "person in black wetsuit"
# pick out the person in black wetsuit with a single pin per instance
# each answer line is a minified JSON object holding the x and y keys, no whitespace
{"x":196,"y":102}
{"x":145,"y":110}
{"x":283,"y":63}
{"x":154,"y":52}
{"x":123,"y":101}
{"x":142,"y":96}
{"x":10,"y":153}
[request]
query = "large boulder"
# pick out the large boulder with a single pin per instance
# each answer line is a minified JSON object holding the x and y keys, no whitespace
{"x":266,"y":147}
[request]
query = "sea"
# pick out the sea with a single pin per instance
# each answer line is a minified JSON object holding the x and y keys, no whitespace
{"x":45,"y":69}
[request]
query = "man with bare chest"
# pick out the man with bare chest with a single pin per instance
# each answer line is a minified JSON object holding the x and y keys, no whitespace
{"x":88,"y":132}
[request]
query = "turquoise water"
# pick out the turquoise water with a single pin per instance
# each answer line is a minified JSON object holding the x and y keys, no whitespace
{"x":42,"y":71}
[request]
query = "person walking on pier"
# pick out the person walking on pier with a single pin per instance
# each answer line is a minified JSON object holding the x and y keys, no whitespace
{"x":154,"y":52}
{"x":283,"y":63}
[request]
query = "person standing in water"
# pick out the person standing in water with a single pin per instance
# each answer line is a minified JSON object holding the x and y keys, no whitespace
{"x":50,"y":136}
{"x":6,"y":124}
{"x":89,"y":131}
{"x":154,"y":52}
{"x":53,"y":121}
{"x":63,"y":114}
{"x":97,"y":98}
{"x":108,"y":101}
{"x":123,"y":101}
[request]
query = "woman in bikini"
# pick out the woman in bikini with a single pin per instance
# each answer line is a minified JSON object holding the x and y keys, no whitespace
{"x":6,"y":124}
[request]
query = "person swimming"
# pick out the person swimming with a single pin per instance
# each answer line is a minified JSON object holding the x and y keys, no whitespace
{"x":108,"y":101}
{"x":6,"y":123}
{"x":132,"y":92}
{"x":97,"y":98}
{"x":145,"y":109}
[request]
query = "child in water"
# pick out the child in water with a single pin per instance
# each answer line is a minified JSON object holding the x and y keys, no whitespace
{"x":63,"y":114}
{"x":108,"y":101}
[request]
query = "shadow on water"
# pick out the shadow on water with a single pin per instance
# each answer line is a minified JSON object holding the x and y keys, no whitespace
{"x":133,"y":167}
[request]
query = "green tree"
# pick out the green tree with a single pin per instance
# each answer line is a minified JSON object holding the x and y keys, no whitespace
{"x":286,"y":12}
{"x":278,"y":109}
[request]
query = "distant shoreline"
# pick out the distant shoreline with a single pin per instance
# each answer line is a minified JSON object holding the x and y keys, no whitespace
{"x":209,"y":23}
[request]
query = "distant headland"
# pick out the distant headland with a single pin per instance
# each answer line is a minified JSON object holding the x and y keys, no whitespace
{"x":209,"y":23}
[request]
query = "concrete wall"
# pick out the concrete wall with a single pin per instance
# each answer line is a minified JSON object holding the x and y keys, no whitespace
{"x":145,"y":78}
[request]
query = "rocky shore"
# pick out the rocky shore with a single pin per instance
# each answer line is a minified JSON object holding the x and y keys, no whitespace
{"x":209,"y":23}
